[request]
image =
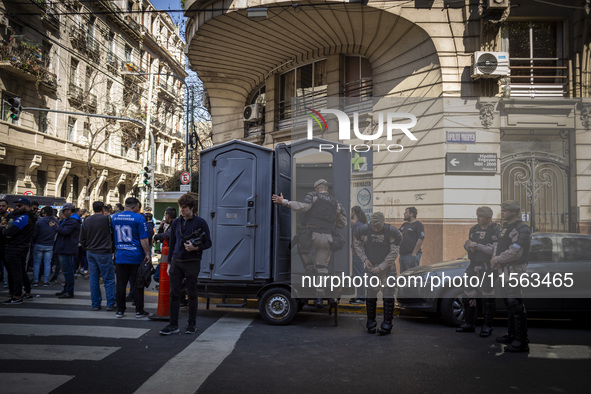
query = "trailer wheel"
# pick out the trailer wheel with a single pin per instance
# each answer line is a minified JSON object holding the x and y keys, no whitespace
{"x":277,"y":307}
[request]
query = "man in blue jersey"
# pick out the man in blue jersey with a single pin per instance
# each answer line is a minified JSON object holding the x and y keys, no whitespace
{"x":133,"y":248}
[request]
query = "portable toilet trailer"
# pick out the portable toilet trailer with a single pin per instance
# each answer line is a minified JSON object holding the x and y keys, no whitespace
{"x":251,"y":254}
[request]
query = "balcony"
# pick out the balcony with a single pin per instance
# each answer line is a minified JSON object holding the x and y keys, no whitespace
{"x":164,"y":169}
{"x":536,"y":77}
{"x":93,"y":48}
{"x":91,"y":102}
{"x":110,"y":109}
{"x":77,"y":37}
{"x":75,"y":94}
{"x":49,"y":81}
{"x":50,"y":18}
{"x":112,"y":63}
{"x":177,"y":134}
{"x":165,"y":90}
{"x":23,"y":58}
{"x":133,"y":25}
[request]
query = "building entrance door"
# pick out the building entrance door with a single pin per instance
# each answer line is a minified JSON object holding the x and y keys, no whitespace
{"x":535,"y":171}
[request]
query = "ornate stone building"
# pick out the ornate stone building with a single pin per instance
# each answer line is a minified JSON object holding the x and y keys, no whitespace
{"x":500,"y":90}
{"x":96,"y":57}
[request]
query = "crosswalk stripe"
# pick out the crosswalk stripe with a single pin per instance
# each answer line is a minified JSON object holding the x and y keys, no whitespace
{"x":48,"y":330}
{"x":189,"y":369}
{"x":15,"y":311}
{"x":31,"y":383}
{"x":54,"y":352}
{"x":562,"y":352}
{"x":52,"y":292}
{"x":79,"y":301}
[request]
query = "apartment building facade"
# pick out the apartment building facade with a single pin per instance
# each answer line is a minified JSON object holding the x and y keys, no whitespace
{"x":499,"y":85}
{"x":85,"y":58}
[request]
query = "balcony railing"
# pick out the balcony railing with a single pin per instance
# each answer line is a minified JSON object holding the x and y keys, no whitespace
{"x":51,"y":18}
{"x":49,"y":80}
{"x":91,"y":101}
{"x":75,"y":93}
{"x":536,"y":77}
{"x":164,"y":169}
{"x":178,"y":134}
{"x":132,"y":23}
{"x":112,"y":63}
{"x":110,"y":109}
{"x":23,"y":55}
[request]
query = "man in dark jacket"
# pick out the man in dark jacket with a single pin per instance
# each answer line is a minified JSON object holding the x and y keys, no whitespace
{"x":66,"y":247}
{"x":43,"y":239}
{"x":18,"y":239}
{"x":189,"y":237}
{"x":96,"y":237}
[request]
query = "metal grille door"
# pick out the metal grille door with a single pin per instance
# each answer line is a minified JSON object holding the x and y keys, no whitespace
{"x":539,"y":181}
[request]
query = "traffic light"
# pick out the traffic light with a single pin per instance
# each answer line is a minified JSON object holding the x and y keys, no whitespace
{"x":15,"y":107}
{"x":147,"y":176}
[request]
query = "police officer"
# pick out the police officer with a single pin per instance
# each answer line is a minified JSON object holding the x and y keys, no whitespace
{"x":480,"y":248}
{"x":510,"y":254}
{"x":377,"y":245}
{"x":323,"y":215}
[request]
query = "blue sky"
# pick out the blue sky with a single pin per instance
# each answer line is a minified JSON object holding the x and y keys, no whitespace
{"x":167,"y":4}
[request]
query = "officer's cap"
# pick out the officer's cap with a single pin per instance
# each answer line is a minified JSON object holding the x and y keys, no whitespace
{"x":484,"y":211}
{"x":377,"y":219}
{"x":320,"y":182}
{"x":511,"y":205}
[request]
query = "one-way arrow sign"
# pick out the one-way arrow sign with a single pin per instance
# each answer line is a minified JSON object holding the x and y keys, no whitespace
{"x":471,"y":163}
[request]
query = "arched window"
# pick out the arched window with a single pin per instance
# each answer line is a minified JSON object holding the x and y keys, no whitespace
{"x":307,"y":82}
{"x":358,"y":80}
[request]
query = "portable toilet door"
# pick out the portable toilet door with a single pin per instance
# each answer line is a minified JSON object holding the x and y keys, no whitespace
{"x":235,"y":200}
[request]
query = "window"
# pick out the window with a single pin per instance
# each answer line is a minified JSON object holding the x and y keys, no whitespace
{"x":108,"y":91}
{"x":307,"y":82}
{"x":6,"y":114}
{"x":64,"y":188}
{"x":86,"y":130}
{"x":540,"y":249}
{"x":42,"y":122}
{"x":358,"y":81}
{"x":41,"y":182}
{"x":7,"y":179}
{"x":76,"y":186}
{"x":536,"y":57}
{"x":89,"y":80}
{"x":128,"y":54}
{"x":45,"y":54}
{"x":111,"y":46}
{"x":576,"y":249}
{"x":90,"y":35}
{"x":74,"y":72}
{"x":71,"y":128}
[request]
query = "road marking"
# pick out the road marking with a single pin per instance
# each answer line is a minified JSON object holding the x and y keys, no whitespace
{"x":79,"y":301}
{"x":189,"y":369}
{"x":69,"y":330}
{"x":54,"y":352}
{"x":562,"y":352}
{"x":15,"y":311}
{"x":31,"y":383}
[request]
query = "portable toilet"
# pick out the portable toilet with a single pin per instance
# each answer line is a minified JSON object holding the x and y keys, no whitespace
{"x":235,"y":200}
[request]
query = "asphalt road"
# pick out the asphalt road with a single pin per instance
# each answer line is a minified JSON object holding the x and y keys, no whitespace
{"x":62,"y":346}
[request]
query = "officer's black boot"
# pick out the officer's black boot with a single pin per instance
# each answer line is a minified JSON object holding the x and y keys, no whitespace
{"x":386,"y":326}
{"x":370,"y":306}
{"x":519,"y":343}
{"x":469,"y":317}
{"x":488,"y":311}
{"x":508,"y":338}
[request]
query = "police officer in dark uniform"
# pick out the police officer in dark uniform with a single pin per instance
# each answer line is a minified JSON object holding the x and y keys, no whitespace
{"x":510,"y":255}
{"x":323,"y":214}
{"x":480,"y":248}
{"x":377,"y":245}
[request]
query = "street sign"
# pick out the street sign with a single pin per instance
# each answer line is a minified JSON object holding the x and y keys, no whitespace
{"x":458,"y":137}
{"x":185,"y":178}
{"x":185,"y":188}
{"x":471,"y":163}
{"x":28,"y":193}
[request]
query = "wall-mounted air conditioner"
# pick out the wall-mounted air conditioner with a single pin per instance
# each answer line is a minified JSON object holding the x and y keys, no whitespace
{"x":252,"y":112}
{"x":490,"y":64}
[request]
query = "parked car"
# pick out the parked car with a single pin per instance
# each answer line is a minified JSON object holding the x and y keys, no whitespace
{"x":553,"y":253}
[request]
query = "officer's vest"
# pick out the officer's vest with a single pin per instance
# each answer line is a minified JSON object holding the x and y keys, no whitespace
{"x":485,"y":237}
{"x":505,"y":241}
{"x":377,"y":246}
{"x":323,"y":213}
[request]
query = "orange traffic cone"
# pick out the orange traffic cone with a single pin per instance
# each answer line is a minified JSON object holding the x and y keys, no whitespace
{"x":164,"y":287}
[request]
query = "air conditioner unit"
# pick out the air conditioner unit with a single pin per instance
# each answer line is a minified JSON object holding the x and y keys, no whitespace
{"x":252,"y":112}
{"x":497,"y":4}
{"x":490,"y":64}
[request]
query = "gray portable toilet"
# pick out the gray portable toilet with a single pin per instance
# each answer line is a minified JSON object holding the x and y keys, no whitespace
{"x":235,"y":189}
